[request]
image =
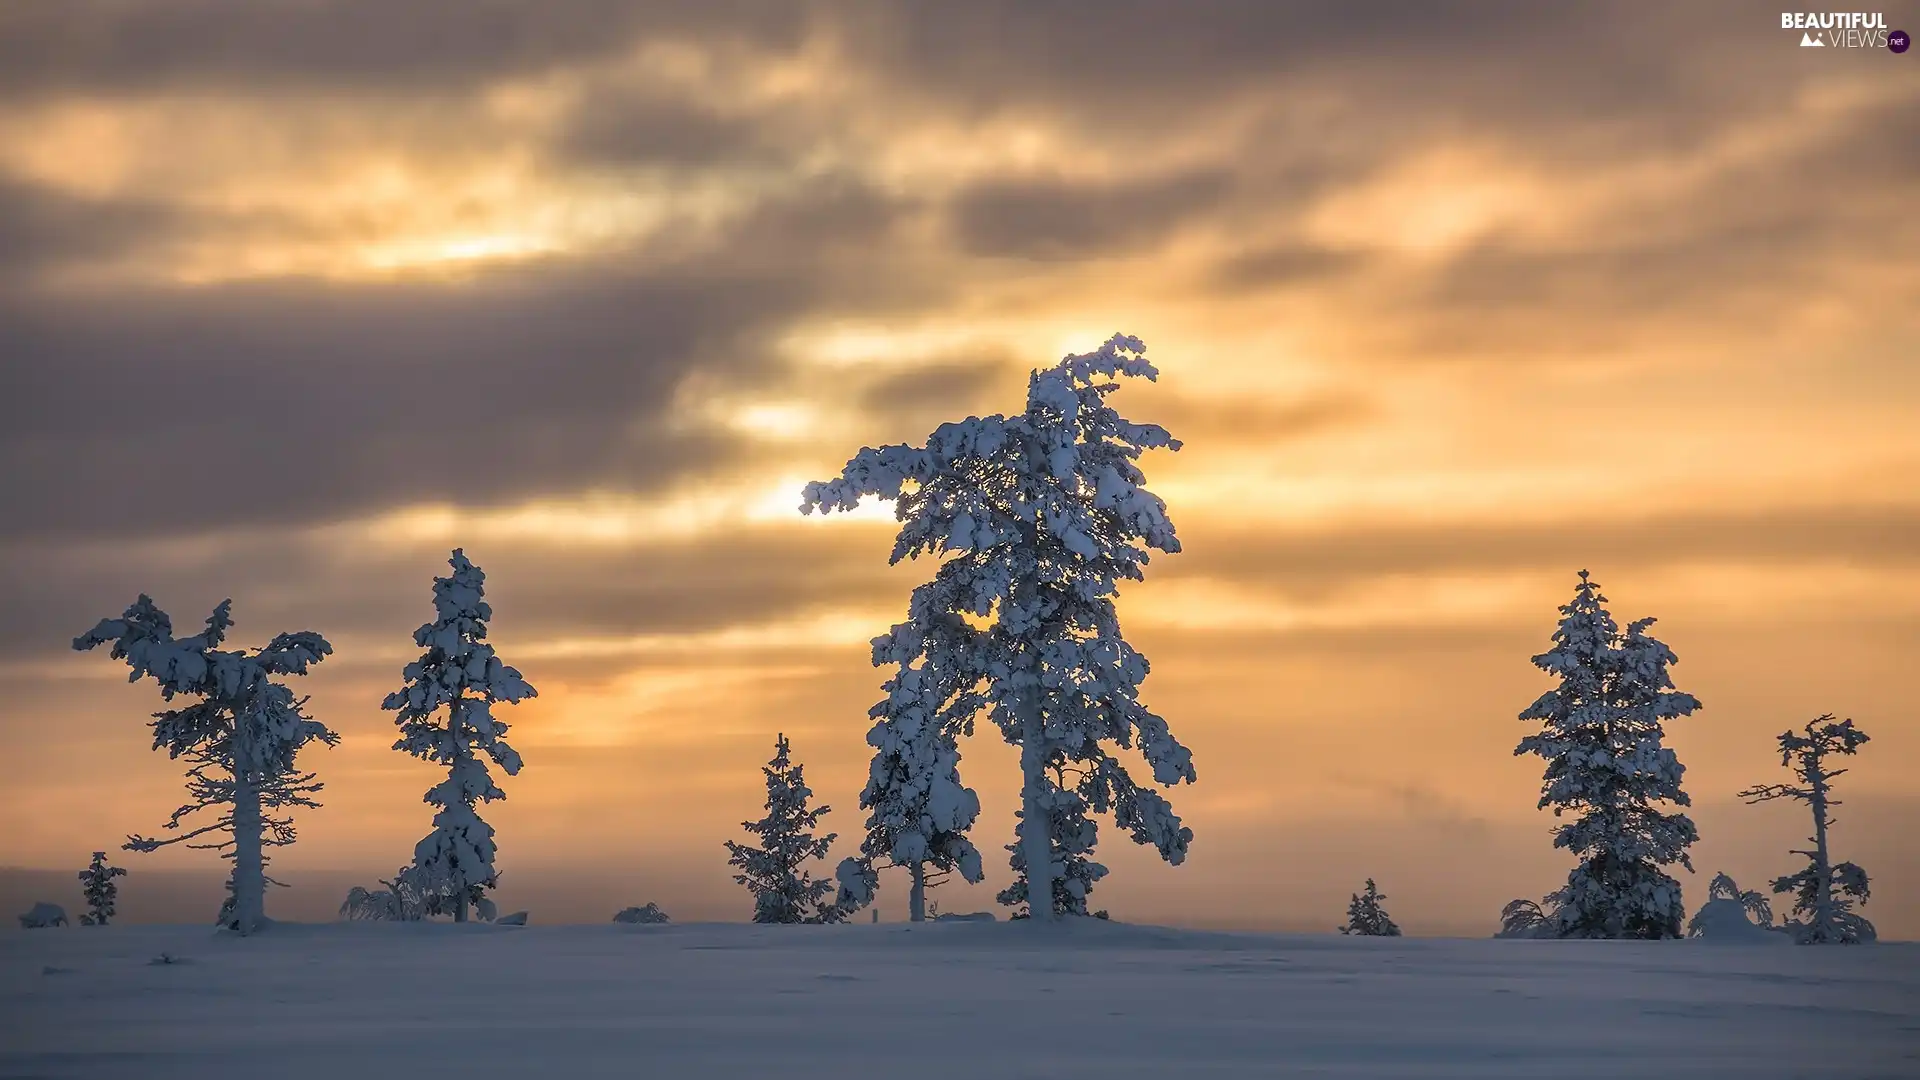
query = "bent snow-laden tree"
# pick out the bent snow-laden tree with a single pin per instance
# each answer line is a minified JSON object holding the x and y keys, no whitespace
{"x":241,"y":735}
{"x":1366,"y":917}
{"x":1731,"y":911}
{"x":97,"y":885}
{"x":918,"y":810}
{"x":1037,"y":517}
{"x":445,"y":715}
{"x":1824,"y":893}
{"x":774,"y":872}
{"x":1601,"y":735}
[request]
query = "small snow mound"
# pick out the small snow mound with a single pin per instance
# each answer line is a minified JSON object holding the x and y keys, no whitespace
{"x":42,"y":916}
{"x":971,"y":916}
{"x":518,"y":918}
{"x":1724,"y":920}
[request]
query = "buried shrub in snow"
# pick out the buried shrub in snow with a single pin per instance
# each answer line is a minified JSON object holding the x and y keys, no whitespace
{"x":1824,"y":893}
{"x":43,"y":916}
{"x":1732,"y":914}
{"x":651,"y":913}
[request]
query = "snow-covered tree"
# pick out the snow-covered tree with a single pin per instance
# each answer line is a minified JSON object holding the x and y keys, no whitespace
{"x":1824,"y":893}
{"x":241,"y":735}
{"x":1366,"y":917}
{"x":918,"y":810}
{"x":97,"y":885}
{"x":445,"y":715}
{"x":1601,"y":735}
{"x":774,"y":871}
{"x":1036,"y":518}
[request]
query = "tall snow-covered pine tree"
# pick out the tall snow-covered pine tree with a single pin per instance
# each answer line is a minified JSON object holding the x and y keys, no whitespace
{"x":1036,"y":518}
{"x":445,"y":715}
{"x":1601,"y":735}
{"x":774,"y":870}
{"x":241,"y":737}
{"x":1824,"y":893}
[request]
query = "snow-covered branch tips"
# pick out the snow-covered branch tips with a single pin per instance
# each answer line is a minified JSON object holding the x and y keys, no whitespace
{"x":1035,"y":518}
{"x":241,"y":734}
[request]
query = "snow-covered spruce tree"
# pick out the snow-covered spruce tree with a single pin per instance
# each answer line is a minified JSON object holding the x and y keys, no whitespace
{"x":97,"y":885}
{"x":1823,"y":893}
{"x":1366,"y":917}
{"x":1601,"y":734}
{"x":774,"y":870}
{"x":918,"y":810}
{"x":241,"y":736}
{"x":445,"y":715}
{"x":1036,"y":518}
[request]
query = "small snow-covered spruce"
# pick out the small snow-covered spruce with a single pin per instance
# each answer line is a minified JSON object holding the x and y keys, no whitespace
{"x":1035,"y":519}
{"x":918,"y":810}
{"x":1730,"y":911}
{"x":774,"y":870}
{"x":97,"y":885}
{"x":1824,"y":893}
{"x":241,"y":736}
{"x":445,"y":715}
{"x":1601,"y":735}
{"x":1366,"y":917}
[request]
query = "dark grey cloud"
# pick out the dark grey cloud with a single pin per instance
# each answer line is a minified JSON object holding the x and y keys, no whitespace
{"x":43,"y":229}
{"x":628,"y":129}
{"x":1061,"y":219}
{"x":1323,"y":561}
{"x":357,"y":47}
{"x":184,"y":409}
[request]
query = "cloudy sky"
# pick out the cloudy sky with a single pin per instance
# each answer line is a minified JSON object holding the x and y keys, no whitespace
{"x":1448,"y":305}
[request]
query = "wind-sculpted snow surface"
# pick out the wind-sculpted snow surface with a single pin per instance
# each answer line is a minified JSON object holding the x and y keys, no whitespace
{"x":1035,"y":520}
{"x":802,"y":1002}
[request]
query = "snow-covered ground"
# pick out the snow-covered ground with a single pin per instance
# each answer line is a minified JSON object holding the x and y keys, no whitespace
{"x":981,"y":1001}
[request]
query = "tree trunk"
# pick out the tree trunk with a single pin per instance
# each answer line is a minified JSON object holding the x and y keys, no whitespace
{"x":917,"y":898}
{"x":1036,"y":840}
{"x":249,"y":872}
{"x":1823,"y":872}
{"x":460,"y":906}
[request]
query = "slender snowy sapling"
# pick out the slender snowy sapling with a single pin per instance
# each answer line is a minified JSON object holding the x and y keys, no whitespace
{"x":242,"y":736}
{"x":783,"y":891}
{"x":445,"y":715}
{"x":1036,"y":518}
{"x":1366,"y":917}
{"x":918,"y":810}
{"x":1824,"y":893}
{"x":1601,"y":735}
{"x":96,"y":883}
